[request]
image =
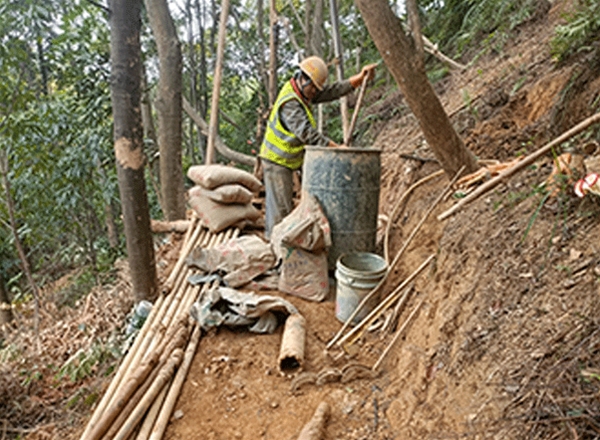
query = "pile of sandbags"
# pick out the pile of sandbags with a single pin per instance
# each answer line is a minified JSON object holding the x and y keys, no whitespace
{"x":222,"y":196}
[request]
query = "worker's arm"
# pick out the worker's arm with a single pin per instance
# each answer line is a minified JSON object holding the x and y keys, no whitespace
{"x":342,"y":88}
{"x":333,"y":91}
{"x":294,"y":117}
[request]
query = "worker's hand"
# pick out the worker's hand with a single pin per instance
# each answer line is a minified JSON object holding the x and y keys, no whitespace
{"x":367,"y":73}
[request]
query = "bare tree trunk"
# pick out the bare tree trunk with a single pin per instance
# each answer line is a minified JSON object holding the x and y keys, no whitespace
{"x":415,"y":27}
{"x":317,"y":34}
{"x":152,"y":154}
{"x":214,"y":108}
{"x":18,"y":244}
{"x":273,"y":46}
{"x":6,"y":315}
{"x":308,"y":25}
{"x":128,"y":143}
{"x":339,"y":65}
{"x":400,"y":56}
{"x":168,"y":106}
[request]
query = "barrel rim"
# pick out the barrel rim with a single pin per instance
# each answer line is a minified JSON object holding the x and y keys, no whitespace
{"x":343,"y":149}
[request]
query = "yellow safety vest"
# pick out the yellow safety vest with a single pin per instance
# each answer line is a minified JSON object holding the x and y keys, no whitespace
{"x":281,"y":145}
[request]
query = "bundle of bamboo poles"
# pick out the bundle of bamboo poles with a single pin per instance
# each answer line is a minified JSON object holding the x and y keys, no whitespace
{"x":140,"y":399}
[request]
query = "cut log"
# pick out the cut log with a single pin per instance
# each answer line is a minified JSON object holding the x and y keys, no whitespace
{"x":173,"y":226}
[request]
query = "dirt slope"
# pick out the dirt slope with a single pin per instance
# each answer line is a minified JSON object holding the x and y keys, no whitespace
{"x":513,"y":290}
{"x":505,"y":342}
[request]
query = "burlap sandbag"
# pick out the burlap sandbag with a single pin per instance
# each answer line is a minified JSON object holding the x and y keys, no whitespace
{"x":217,"y":216}
{"x":230,"y":193}
{"x":212,"y":176}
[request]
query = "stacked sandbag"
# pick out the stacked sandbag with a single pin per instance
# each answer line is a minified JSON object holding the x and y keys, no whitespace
{"x":300,"y":242}
{"x":223,"y":195}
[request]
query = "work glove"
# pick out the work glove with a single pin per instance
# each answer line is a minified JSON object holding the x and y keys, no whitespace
{"x":367,"y":72}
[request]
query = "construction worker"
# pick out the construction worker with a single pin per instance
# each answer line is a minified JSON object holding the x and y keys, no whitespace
{"x":291,"y":126}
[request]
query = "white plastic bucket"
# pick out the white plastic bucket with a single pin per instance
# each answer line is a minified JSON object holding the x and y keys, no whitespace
{"x":356,"y":275}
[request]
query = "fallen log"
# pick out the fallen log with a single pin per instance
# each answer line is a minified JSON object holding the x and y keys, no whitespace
{"x":170,"y":226}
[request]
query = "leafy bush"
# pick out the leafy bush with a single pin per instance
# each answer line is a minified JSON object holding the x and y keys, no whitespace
{"x":579,"y":32}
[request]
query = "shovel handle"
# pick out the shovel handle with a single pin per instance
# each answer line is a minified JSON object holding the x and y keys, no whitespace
{"x":361,"y":94}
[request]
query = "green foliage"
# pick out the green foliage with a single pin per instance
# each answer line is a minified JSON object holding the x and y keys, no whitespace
{"x":55,"y":129}
{"x":459,"y":25}
{"x":580,"y":31}
{"x":85,"y":363}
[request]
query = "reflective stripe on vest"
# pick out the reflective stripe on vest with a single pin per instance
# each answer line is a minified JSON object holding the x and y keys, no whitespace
{"x":281,"y":145}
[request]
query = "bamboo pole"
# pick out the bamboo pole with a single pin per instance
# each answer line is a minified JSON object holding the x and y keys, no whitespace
{"x":214,"y":108}
{"x":123,"y":368}
{"x":397,"y":335}
{"x":397,"y":206}
{"x":163,"y":377}
{"x":166,"y":324}
{"x":162,"y":420}
{"x":313,"y":430}
{"x":528,"y":160}
{"x":173,"y":344}
{"x":185,"y":250}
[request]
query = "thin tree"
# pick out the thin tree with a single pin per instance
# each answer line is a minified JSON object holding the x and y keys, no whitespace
{"x":339,"y":65}
{"x":273,"y":47}
{"x":6,"y":315}
{"x":214,"y":108}
{"x":19,"y":245}
{"x":401,"y":55}
{"x":168,"y":105}
{"x":125,"y":24}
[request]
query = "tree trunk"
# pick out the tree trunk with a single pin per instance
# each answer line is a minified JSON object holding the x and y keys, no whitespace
{"x":402,"y":60}
{"x":339,"y":65}
{"x":20,"y":250}
{"x":168,"y":106}
{"x":273,"y":43}
{"x":6,"y":315}
{"x":214,"y":108}
{"x":128,"y":143}
{"x":151,"y":153}
{"x":317,"y":33}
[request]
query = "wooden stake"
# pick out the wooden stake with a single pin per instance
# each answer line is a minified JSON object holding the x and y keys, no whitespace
{"x":313,"y":430}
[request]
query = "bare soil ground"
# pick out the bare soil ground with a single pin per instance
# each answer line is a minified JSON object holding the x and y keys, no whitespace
{"x":505,"y":343}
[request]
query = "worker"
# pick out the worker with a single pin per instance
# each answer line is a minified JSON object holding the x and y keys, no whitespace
{"x":291,"y":126}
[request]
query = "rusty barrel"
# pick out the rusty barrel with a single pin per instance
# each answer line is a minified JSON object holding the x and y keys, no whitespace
{"x":346,"y":182}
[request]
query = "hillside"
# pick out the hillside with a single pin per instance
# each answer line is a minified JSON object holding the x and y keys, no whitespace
{"x":504,"y":340}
